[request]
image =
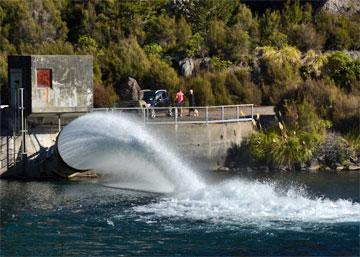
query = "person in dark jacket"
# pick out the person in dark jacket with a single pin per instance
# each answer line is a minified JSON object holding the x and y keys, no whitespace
{"x":192,"y":103}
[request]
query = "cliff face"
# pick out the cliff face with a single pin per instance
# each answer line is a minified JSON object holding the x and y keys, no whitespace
{"x":338,"y":6}
{"x":342,"y":6}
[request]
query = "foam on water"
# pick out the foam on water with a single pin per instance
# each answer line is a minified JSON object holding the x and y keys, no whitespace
{"x":251,"y":202}
{"x":132,"y":157}
{"x":123,"y":149}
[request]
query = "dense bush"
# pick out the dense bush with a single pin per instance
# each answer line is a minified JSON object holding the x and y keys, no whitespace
{"x":160,"y":75}
{"x":104,"y":96}
{"x":288,"y":150}
{"x":295,"y":141}
{"x":343,"y":70}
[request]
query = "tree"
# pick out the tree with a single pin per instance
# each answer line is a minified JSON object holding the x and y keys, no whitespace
{"x":202,"y":91}
{"x":161,"y":30}
{"x":202,"y":12}
{"x":245,"y":20}
{"x":123,"y":60}
{"x":335,"y":29}
{"x":343,"y":70}
{"x":160,"y":75}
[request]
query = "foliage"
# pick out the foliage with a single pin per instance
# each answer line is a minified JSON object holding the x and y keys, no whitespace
{"x":161,"y":30}
{"x":338,"y":30}
{"x":305,"y":37}
{"x":202,"y":91}
{"x":124,"y":60}
{"x":153,"y":50}
{"x":295,"y":142}
{"x":194,"y":45}
{"x":219,"y":65}
{"x":312,"y":64}
{"x":241,"y":88}
{"x":104,"y":96}
{"x":343,"y":70}
{"x":279,"y":65}
{"x":160,"y":75}
{"x":284,"y":149}
{"x":353,"y":137}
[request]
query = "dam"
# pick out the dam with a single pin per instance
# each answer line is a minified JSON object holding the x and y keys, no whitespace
{"x":49,"y":93}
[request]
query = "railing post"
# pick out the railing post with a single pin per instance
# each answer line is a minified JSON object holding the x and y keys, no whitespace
{"x":237,"y":113}
{"x":144,"y":114}
{"x":252,"y":111}
{"x":23,"y":148}
{"x":222,"y":113}
{"x":207,"y":114}
{"x":176,"y":114}
{"x":59,"y":122}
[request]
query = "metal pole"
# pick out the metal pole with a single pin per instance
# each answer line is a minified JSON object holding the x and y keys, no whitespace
{"x":144,"y":114}
{"x":176,"y":115}
{"x":59,"y":122}
{"x":222,"y":113}
{"x":207,"y":114}
{"x":252,"y":111}
{"x":237,"y":113}
{"x":22,"y":122}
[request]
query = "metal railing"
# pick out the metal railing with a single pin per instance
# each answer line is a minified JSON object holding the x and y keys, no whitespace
{"x":192,"y":115}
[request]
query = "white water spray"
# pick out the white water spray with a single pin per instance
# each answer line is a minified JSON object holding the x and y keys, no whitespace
{"x":243,"y":203}
{"x":120,"y":147}
{"x":117,"y":145}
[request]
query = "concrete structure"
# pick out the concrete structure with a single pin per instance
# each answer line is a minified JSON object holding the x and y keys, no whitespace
{"x":206,"y":145}
{"x":44,"y":90}
{"x":52,"y":83}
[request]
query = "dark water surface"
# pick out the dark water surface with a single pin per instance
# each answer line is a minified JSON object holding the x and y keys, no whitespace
{"x":274,"y":214}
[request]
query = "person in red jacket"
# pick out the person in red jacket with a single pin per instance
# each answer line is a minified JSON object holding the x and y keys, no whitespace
{"x":179,"y":100}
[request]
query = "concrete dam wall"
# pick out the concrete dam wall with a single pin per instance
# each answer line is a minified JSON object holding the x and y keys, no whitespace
{"x":203,"y":145}
{"x":206,"y":145}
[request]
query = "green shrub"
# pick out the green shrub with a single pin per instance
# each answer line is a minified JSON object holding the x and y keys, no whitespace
{"x":219,"y":89}
{"x":195,"y":46}
{"x":336,"y":29}
{"x":343,"y":70}
{"x":218,"y":64}
{"x":305,"y":37}
{"x":123,"y":60}
{"x":160,"y":75}
{"x":279,"y":65}
{"x":161,"y":30}
{"x":153,"y":50}
{"x":242,"y":89}
{"x":104,"y":96}
{"x":202,"y":91}
{"x":288,"y":149}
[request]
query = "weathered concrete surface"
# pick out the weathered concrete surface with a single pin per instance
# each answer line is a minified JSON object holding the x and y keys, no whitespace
{"x":72,"y":82}
{"x":205,"y":145}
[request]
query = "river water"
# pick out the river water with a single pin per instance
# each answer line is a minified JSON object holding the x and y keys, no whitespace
{"x":234,"y":214}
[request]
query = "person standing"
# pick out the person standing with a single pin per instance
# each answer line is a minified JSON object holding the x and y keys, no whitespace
{"x":191,"y":103}
{"x":179,"y":100}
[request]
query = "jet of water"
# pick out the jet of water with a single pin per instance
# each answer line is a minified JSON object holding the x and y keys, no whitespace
{"x":126,"y":152}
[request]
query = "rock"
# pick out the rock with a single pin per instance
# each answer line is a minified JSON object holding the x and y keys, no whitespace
{"x":191,"y":66}
{"x":249,"y":169}
{"x":353,"y":167}
{"x":339,"y":168}
{"x":327,"y":168}
{"x":342,"y":6}
{"x":187,"y":66}
{"x":314,"y":166}
{"x":354,"y":160}
{"x":129,"y":90}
